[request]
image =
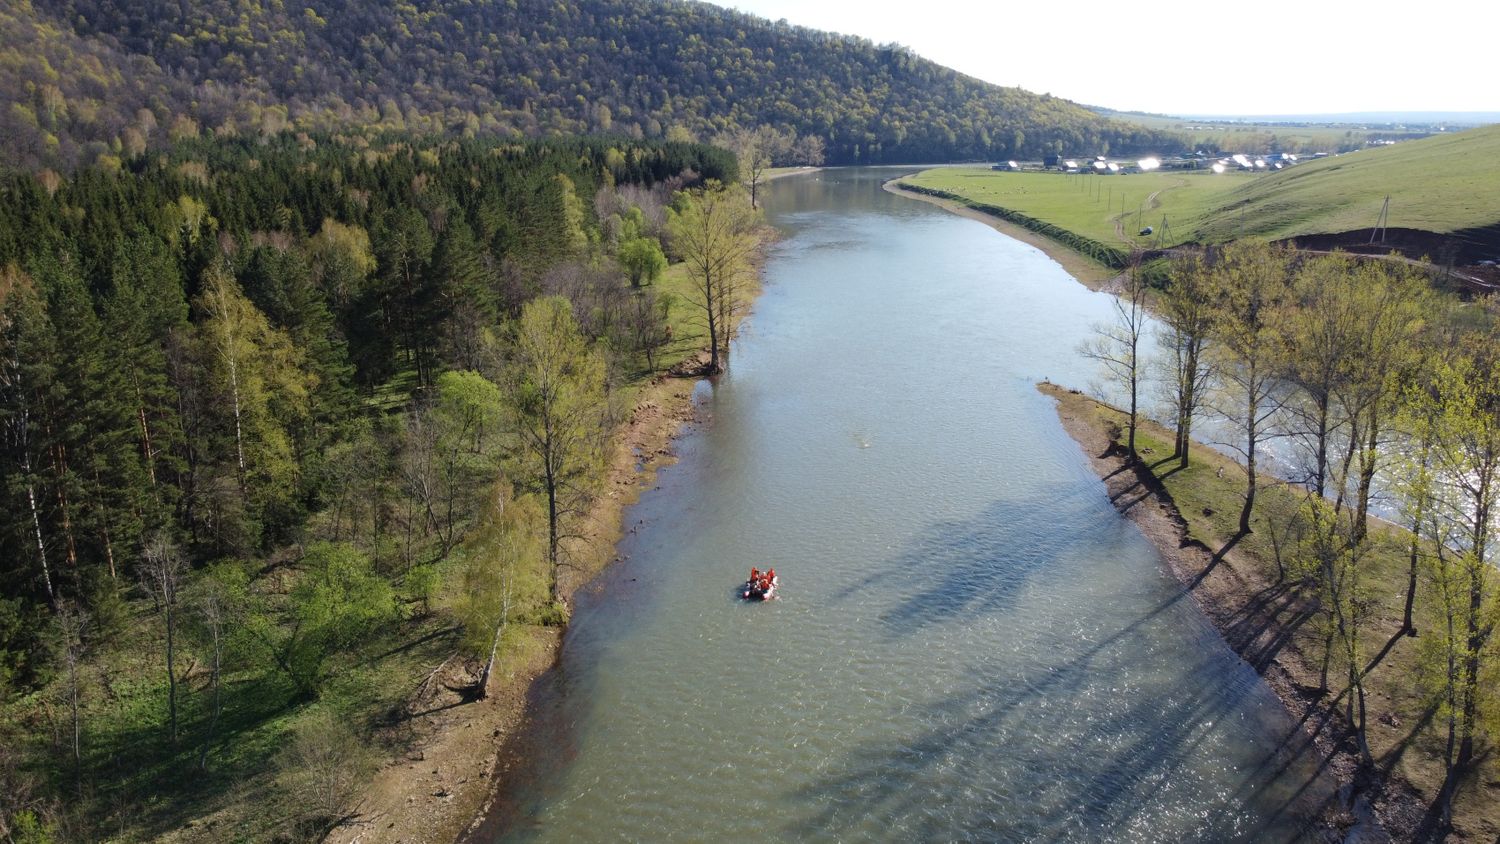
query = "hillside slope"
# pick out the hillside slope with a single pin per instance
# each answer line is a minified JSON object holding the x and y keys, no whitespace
{"x":1442,"y":185}
{"x":85,"y":78}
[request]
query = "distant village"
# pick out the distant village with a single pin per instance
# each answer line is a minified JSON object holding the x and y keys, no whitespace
{"x":1105,"y":166}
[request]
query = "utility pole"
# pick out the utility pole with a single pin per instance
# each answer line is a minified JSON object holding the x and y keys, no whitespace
{"x":1382,"y":220}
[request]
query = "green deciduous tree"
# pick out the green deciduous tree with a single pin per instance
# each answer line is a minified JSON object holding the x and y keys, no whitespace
{"x":642,"y":259}
{"x":259,"y":378}
{"x":505,"y":550}
{"x":1466,"y":460}
{"x":555,"y":392}
{"x":338,"y":601}
{"x":1317,"y":333}
{"x":713,"y":231}
{"x":1250,"y":285}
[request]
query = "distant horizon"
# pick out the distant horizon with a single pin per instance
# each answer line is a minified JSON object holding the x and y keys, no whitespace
{"x":1467,"y":119}
{"x":1180,"y":64}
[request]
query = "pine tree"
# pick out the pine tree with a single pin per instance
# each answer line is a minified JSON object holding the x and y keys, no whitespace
{"x":404,"y":249}
{"x":27,"y":353}
{"x":467,"y":309}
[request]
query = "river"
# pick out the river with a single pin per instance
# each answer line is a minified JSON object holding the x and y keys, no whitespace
{"x":970,"y":644}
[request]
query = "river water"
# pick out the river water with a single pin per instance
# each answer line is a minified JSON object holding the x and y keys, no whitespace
{"x":971,"y":643}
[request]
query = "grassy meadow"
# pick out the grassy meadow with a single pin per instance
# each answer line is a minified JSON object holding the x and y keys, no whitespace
{"x":1092,"y":205}
{"x":1442,"y":184}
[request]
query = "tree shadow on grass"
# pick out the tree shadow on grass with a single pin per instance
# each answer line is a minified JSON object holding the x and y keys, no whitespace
{"x":140,"y":781}
{"x":143,"y":785}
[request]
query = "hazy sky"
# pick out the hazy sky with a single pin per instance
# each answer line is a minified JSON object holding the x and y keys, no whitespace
{"x":1200,"y":58}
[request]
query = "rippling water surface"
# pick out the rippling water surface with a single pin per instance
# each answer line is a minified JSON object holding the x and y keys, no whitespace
{"x":971,"y":643}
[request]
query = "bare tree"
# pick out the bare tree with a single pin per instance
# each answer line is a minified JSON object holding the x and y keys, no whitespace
{"x":651,"y":202}
{"x":162,"y":569}
{"x":324,"y":766}
{"x":217,"y":601}
{"x":755,"y":149}
{"x":71,"y":622}
{"x":23,"y":796}
{"x":650,"y":326}
{"x":420,"y":469}
{"x":1116,"y":345}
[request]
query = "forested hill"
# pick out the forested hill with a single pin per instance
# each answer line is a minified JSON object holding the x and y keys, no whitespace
{"x":91,"y":78}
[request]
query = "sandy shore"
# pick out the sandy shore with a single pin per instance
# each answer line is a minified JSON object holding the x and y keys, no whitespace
{"x":1088,"y":273}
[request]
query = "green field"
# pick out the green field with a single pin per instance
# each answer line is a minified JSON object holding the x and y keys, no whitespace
{"x":1109,"y":209}
{"x":1441,"y":184}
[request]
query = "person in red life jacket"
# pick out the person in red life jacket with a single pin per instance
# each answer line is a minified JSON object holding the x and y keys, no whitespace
{"x":770,"y":578}
{"x":754,"y":577}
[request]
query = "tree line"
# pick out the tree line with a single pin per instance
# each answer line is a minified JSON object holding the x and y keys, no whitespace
{"x":1385,"y":390}
{"x":263,"y":402}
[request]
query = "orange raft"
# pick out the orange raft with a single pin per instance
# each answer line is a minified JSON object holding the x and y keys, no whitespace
{"x":761,"y":586}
